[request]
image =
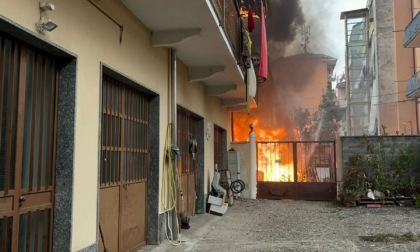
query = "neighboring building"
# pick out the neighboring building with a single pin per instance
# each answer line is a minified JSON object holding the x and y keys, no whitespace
{"x":342,"y":103}
{"x":89,"y":110}
{"x":376,"y":68}
{"x":296,"y":81}
{"x":303,"y":78}
{"x":412,"y":40}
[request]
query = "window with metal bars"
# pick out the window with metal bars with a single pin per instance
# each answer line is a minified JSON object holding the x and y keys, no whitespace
{"x":9,"y":64}
{"x":125,"y":133}
{"x":34,"y":228}
{"x":28,"y":102}
{"x":39,"y":97}
{"x":6,"y":224}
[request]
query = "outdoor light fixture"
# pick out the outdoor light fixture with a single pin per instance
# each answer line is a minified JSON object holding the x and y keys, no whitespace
{"x":46,"y":6}
{"x":208,"y":131}
{"x":45,"y":25}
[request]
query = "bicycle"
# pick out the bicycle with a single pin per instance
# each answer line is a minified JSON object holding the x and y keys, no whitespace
{"x":236,"y":186}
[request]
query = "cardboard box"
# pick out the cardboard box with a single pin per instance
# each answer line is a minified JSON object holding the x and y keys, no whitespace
{"x":219,"y":209}
{"x":216,"y":200}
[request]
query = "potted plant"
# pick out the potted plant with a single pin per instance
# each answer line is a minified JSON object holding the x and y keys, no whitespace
{"x":352,"y":187}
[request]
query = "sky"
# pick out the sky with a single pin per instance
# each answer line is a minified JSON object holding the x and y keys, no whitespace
{"x":327,"y":30}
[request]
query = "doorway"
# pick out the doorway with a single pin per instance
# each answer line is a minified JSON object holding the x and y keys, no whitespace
{"x":220,"y":148}
{"x":189,"y":143}
{"x":124,"y":166}
{"x":28,"y":114}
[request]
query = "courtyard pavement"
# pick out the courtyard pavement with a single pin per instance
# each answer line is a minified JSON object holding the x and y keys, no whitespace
{"x":286,"y":225}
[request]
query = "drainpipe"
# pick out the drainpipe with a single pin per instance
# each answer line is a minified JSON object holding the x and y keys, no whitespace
{"x":253,"y":163}
{"x":174,"y":140}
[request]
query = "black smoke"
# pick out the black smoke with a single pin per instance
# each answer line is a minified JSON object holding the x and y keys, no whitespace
{"x":284,"y":19}
{"x":288,"y":77}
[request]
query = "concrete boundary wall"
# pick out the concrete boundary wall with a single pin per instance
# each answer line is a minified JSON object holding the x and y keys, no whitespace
{"x":349,"y":146}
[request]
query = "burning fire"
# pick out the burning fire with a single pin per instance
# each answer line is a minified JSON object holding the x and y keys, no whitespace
{"x":243,"y":11}
{"x":275,"y":161}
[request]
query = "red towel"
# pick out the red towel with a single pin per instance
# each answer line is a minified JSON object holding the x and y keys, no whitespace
{"x":263,"y":70}
{"x":250,"y":20}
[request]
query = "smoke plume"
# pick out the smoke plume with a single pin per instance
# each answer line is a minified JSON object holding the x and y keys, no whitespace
{"x":291,"y":78}
{"x":283,"y":21}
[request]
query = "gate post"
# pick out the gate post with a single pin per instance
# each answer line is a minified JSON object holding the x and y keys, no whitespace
{"x":252,"y":163}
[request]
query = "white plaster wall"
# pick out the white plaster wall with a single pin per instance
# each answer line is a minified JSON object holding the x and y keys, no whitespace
{"x":216,"y":114}
{"x":244,"y":157}
{"x":192,"y":95}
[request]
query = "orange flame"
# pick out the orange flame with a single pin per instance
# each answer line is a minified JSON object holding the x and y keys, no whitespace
{"x":275,"y":162}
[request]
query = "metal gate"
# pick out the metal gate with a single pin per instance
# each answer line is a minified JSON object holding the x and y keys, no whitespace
{"x":296,"y":170}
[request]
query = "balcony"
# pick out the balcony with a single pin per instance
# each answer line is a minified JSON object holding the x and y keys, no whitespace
{"x":230,"y":21}
{"x":207,"y":36}
{"x":413,"y":86}
{"x":411,"y":33}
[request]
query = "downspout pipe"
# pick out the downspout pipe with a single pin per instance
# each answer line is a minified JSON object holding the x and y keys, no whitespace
{"x":173,"y":99}
{"x":174,"y":140}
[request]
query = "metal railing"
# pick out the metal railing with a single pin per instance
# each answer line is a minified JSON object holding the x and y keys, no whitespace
{"x":413,"y":86}
{"x":296,"y":161}
{"x":230,"y":20}
{"x":412,"y":30}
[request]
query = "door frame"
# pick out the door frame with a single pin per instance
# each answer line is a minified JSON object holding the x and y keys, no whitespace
{"x":65,"y":138}
{"x":220,"y":158}
{"x":155,"y":230}
{"x":198,"y":175}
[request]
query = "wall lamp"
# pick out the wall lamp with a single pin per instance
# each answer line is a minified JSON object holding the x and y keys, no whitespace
{"x":208,"y":130}
{"x":43,"y":25}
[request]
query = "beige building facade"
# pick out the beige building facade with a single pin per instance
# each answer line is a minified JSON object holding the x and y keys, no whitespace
{"x":112,"y":79}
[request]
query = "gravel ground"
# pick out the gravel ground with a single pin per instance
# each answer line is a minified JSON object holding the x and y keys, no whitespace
{"x":285,"y":225}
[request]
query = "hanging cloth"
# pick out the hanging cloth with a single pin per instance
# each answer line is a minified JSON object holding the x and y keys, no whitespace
{"x":263,"y":70}
{"x":251,"y":26}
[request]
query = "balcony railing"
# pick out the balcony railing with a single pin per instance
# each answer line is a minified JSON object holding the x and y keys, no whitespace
{"x":411,"y":32}
{"x":230,"y":20}
{"x":413,"y":86}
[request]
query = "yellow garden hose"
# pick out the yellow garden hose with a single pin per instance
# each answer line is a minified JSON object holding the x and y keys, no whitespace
{"x":169,"y":187}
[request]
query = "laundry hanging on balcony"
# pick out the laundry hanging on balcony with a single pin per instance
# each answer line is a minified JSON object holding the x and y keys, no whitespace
{"x":251,"y":86}
{"x":263,"y":70}
{"x":251,"y":81}
{"x":251,"y":26}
